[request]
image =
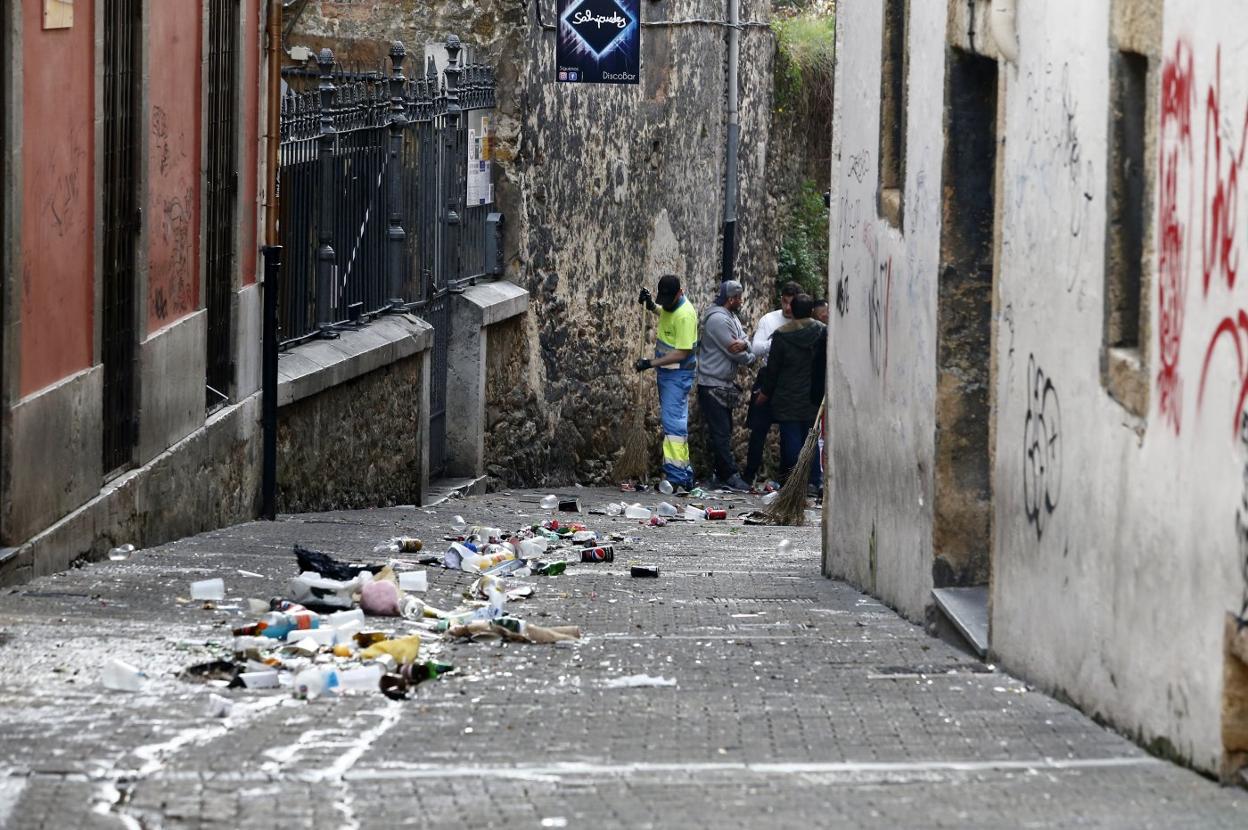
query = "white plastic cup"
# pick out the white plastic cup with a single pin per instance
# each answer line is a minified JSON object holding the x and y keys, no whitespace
{"x":323,"y":636}
{"x":666,"y":488}
{"x":208,"y":589}
{"x":414,"y":581}
{"x":666,"y":510}
{"x":121,"y":553}
{"x":784,"y":547}
{"x":694,"y":513}
{"x":771,"y":497}
{"x":364,"y":679}
{"x":340,"y":618}
{"x":550,"y":502}
{"x":636,"y":511}
{"x":121,"y":677}
{"x":260,"y":679}
{"x":614,"y":509}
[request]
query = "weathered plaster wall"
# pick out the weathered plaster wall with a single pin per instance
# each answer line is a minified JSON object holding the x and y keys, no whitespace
{"x":882,"y":361}
{"x":1141,"y":557}
{"x":1118,"y":541}
{"x":173,"y":168}
{"x":58,"y":146}
{"x":604,"y":190}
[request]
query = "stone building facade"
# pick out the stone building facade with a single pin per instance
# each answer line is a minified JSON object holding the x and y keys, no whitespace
{"x":1037,"y":358}
{"x":604,"y":189}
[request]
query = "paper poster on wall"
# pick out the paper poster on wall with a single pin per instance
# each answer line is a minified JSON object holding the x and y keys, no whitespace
{"x":58,"y":14}
{"x":599,"y":42}
{"x":480,"y":180}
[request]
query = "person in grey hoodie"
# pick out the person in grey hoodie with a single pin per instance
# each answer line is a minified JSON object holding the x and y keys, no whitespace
{"x":722,"y":349}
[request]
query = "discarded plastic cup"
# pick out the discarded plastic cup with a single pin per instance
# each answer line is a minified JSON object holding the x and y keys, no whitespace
{"x":531,"y":548}
{"x":784,"y":547}
{"x":260,"y":679}
{"x":771,"y":497}
{"x":360,"y":680}
{"x":208,"y":589}
{"x":550,"y":502}
{"x":458,"y":524}
{"x":665,"y":510}
{"x":614,"y":509}
{"x":666,"y":488}
{"x":694,"y":513}
{"x":121,"y":553}
{"x":340,"y":618}
{"x":636,"y":511}
{"x":121,"y":677}
{"x":414,"y":581}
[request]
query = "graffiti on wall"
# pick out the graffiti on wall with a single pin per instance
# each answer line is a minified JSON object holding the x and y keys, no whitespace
{"x":879,"y":301}
{"x":1055,"y":173}
{"x":1223,"y":159}
{"x":1174,"y":227}
{"x":1042,"y":449}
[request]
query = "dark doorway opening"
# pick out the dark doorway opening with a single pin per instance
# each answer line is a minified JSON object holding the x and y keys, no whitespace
{"x":962,"y":540}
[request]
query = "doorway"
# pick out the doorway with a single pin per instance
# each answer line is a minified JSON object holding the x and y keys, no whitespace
{"x":962,"y":530}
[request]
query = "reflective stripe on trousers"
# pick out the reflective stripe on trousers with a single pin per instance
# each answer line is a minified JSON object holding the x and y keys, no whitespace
{"x":674,"y":388}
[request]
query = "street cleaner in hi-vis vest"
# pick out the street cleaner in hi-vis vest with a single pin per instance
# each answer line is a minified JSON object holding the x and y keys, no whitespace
{"x":675,"y":361}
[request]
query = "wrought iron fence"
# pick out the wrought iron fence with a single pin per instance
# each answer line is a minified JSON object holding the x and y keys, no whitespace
{"x":373,"y":191}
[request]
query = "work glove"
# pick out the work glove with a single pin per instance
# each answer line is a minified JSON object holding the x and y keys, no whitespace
{"x":642,"y":365}
{"x":646,"y":299}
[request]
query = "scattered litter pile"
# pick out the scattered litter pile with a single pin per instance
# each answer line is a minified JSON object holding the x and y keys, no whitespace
{"x":341,"y":626}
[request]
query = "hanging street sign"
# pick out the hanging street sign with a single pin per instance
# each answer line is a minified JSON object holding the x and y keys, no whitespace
{"x":599,"y":42}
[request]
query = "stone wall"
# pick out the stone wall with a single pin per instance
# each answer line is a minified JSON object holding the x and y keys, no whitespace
{"x":605,"y":188}
{"x":354,"y":445}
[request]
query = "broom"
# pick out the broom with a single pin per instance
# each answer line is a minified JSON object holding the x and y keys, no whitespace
{"x":789,"y":508}
{"x":634,"y":461}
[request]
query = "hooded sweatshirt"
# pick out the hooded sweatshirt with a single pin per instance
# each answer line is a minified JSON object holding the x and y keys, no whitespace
{"x":790,"y":376}
{"x":716,"y":365}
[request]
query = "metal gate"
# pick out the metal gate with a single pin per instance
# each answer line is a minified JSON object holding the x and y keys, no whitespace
{"x":221,"y":191}
{"x":120,"y":225}
{"x":336,"y":140}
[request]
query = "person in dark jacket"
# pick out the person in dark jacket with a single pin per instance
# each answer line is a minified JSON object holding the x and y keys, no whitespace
{"x":791,"y":381}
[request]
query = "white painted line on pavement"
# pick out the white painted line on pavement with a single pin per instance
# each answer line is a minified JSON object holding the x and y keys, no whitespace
{"x":581,"y":770}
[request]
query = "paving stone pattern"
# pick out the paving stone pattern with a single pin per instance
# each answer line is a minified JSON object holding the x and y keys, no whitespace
{"x":798,"y":702}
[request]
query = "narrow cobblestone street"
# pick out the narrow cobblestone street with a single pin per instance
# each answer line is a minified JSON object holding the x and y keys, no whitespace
{"x":798,"y":701}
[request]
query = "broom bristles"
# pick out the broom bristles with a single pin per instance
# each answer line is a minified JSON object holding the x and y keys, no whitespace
{"x":789,"y":508}
{"x":633,"y":463}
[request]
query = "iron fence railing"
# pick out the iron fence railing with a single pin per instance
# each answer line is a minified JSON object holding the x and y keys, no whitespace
{"x":372,"y":190}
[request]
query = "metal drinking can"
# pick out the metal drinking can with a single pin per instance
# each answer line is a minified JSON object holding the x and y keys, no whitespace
{"x":602,"y":553}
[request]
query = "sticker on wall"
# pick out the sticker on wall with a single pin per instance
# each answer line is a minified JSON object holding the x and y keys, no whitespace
{"x":58,"y":14}
{"x":599,"y":42}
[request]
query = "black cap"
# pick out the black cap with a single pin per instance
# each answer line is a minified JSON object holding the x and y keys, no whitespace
{"x":669,"y":287}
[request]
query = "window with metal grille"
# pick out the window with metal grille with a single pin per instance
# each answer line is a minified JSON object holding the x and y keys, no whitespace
{"x":221,"y":189}
{"x":119,"y":226}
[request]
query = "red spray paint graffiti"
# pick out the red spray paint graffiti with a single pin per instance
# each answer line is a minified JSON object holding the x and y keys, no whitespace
{"x":1176,"y":157}
{"x":1219,"y":252}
